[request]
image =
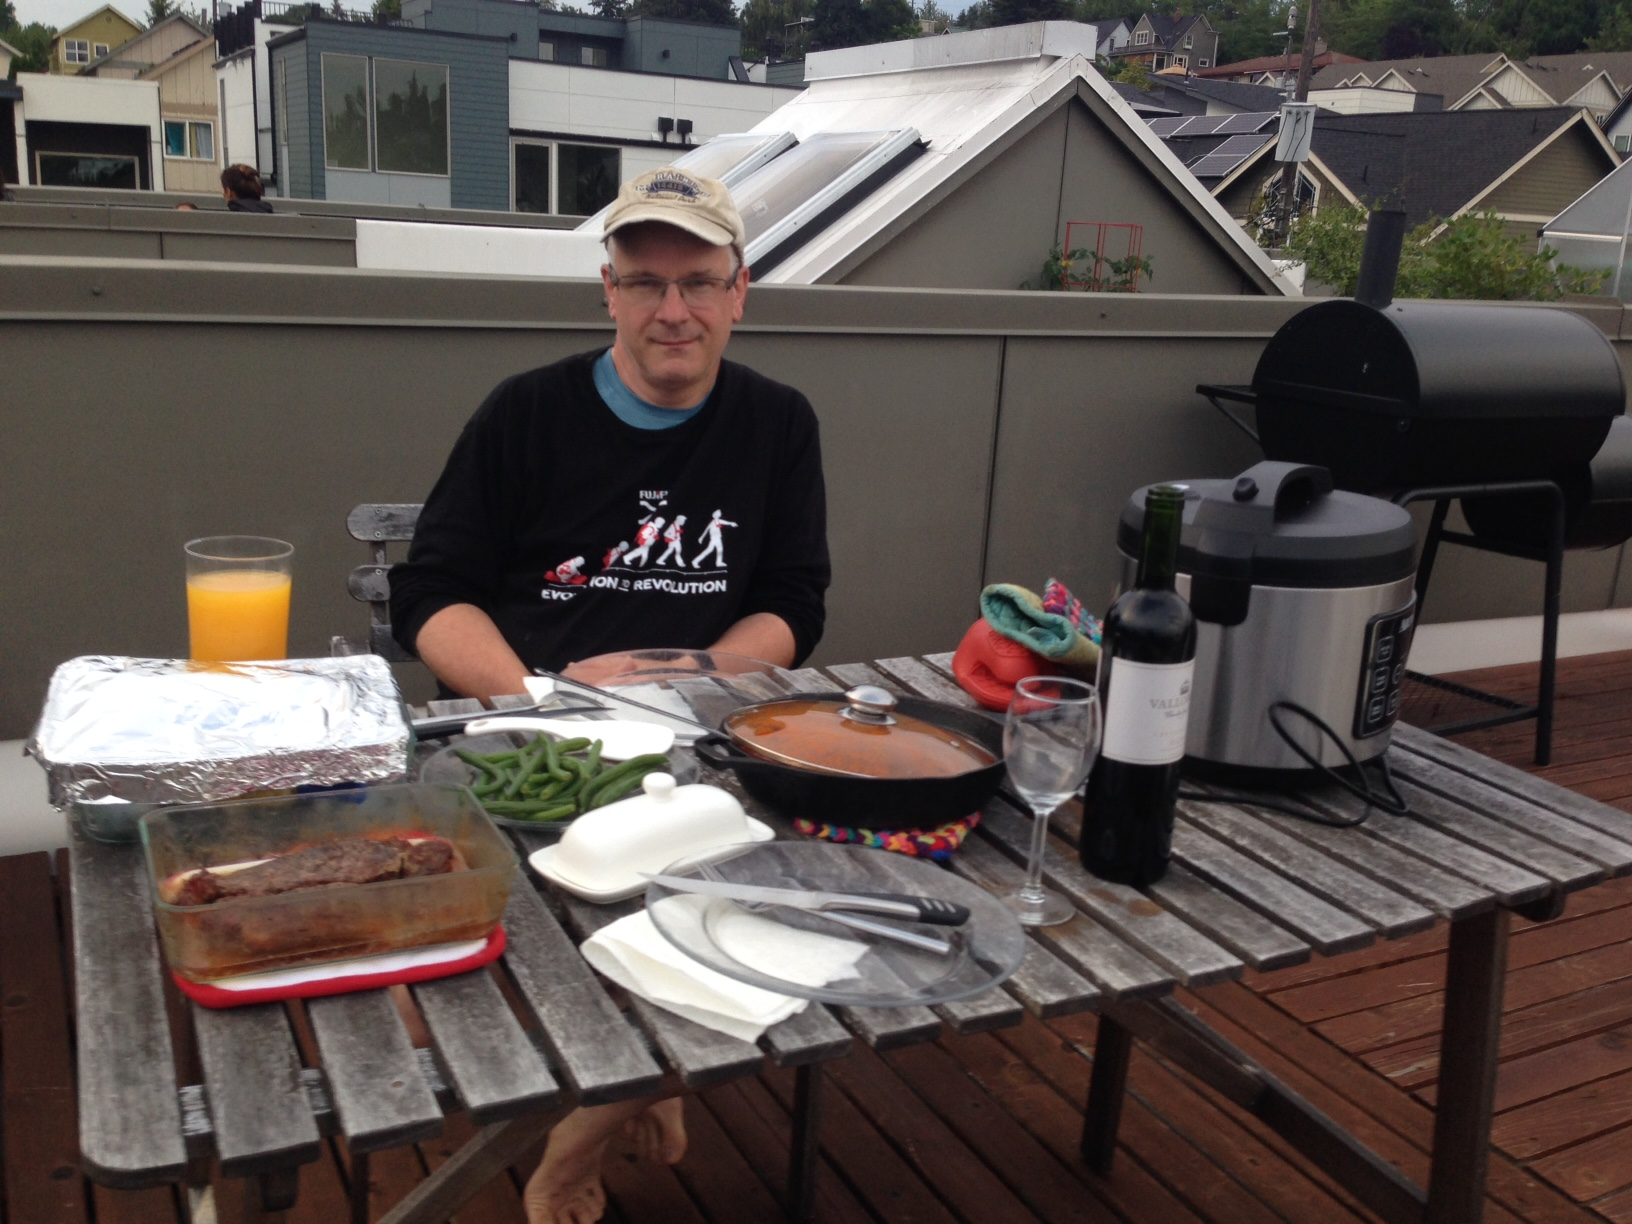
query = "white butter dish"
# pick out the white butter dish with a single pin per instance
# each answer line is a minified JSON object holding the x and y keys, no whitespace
{"x":602,"y":855}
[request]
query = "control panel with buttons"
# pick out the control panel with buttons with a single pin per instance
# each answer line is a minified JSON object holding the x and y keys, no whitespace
{"x":1382,"y":670}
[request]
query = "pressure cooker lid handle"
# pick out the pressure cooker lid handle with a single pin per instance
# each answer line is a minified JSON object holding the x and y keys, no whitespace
{"x":1288,"y":487}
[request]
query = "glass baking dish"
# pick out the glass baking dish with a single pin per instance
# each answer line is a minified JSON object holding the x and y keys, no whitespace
{"x":238,"y":935}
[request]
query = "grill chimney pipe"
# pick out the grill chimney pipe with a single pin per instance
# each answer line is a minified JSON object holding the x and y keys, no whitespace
{"x":1380,"y":261}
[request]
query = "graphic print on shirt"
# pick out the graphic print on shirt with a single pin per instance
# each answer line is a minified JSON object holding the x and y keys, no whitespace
{"x":633,"y":567}
{"x":671,"y":537}
{"x":716,"y":540}
{"x":570,"y":572}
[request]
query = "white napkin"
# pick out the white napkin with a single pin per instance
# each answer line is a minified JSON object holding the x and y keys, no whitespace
{"x":635,"y":955}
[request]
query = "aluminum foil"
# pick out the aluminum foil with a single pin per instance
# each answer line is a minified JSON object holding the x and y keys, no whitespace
{"x":173,"y":731}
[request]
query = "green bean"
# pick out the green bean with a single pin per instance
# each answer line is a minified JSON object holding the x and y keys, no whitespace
{"x":527,"y":766}
{"x":573,"y":745}
{"x":592,"y":764}
{"x":555,"y":813}
{"x":620,"y":787}
{"x":634,"y":765}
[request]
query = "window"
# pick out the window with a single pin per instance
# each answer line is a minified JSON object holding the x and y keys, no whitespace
{"x":86,"y":170}
{"x":1142,"y":37}
{"x":1623,"y":144}
{"x":76,"y":51}
{"x":410,"y":117}
{"x":530,"y":177}
{"x":99,"y":50}
{"x":402,"y":129}
{"x":195,"y":141}
{"x":345,"y":112}
{"x":1201,"y":63}
{"x":587,"y":178}
{"x":592,"y":57}
{"x":1188,"y":42}
{"x":1183,"y":61}
{"x":546,"y":51}
{"x":280,"y":107}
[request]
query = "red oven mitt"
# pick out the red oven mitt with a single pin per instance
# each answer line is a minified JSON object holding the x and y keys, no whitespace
{"x":988,"y":665}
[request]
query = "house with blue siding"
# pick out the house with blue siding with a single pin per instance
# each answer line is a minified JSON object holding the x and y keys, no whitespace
{"x":478,"y":104}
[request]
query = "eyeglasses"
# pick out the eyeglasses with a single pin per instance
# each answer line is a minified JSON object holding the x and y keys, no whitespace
{"x":696,"y":291}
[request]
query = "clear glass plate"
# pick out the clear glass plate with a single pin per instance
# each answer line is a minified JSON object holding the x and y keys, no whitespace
{"x":445,"y":766}
{"x":698,"y":686}
{"x":985,"y":950}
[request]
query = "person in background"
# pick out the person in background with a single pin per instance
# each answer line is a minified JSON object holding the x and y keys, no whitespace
{"x":241,"y":189}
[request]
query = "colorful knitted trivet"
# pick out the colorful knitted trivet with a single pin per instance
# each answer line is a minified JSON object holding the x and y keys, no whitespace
{"x":920,"y":843}
{"x":1057,"y":598}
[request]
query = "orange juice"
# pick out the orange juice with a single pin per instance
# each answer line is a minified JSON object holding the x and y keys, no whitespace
{"x":238,"y":614}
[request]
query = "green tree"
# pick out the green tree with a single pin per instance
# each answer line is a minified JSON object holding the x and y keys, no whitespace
{"x":1018,"y":12}
{"x":8,"y":15}
{"x":769,"y":29}
{"x":713,"y":12}
{"x":33,"y":43}
{"x":1127,"y":70}
{"x":387,"y":10}
{"x":609,"y":8}
{"x":1473,"y":257}
{"x":1615,"y":31}
{"x":977,"y":16}
{"x":158,"y":10}
{"x":854,"y":23}
{"x":940,"y":21}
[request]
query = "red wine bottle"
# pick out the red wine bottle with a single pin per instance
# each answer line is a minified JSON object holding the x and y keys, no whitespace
{"x":1146,"y":666}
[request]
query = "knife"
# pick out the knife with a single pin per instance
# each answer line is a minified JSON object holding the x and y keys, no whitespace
{"x":932,"y":910}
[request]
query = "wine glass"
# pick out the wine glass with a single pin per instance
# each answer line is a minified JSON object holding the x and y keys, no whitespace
{"x":1049,"y":741}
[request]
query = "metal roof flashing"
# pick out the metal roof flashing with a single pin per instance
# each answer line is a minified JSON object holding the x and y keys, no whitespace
{"x":1034,"y":40}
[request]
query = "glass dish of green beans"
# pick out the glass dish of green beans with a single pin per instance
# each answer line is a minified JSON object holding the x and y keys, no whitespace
{"x":531,"y":781}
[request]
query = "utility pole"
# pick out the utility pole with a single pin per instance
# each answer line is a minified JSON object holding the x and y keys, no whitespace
{"x":1289,"y":173}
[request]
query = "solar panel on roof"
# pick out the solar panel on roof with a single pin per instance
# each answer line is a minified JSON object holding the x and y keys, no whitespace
{"x":1215,"y":165}
{"x":1252,"y":121}
{"x":1243,"y":146}
{"x":1167,"y":125}
{"x":1205,"y":125}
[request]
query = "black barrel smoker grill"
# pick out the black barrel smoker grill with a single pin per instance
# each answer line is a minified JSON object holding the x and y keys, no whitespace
{"x":1516,"y":411}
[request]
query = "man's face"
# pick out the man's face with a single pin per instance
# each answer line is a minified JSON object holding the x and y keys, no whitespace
{"x":675,"y":345}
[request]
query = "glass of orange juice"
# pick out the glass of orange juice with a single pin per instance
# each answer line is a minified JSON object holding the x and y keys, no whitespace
{"x":238,"y":598}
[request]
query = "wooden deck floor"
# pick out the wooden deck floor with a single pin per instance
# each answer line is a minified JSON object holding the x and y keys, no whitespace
{"x":982,"y":1128}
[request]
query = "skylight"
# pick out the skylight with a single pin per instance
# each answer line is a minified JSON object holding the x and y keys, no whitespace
{"x":729,"y":158}
{"x":780,"y":202}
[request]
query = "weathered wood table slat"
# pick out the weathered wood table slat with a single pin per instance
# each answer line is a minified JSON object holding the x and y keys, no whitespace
{"x":1248,"y":887}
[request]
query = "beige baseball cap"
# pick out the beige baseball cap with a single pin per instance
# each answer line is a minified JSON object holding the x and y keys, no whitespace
{"x":700,"y":206}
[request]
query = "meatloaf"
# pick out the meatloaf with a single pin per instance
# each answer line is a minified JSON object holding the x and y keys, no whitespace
{"x":350,"y":860}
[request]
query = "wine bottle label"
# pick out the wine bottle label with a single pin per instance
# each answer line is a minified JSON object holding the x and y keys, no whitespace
{"x":1147,"y":712}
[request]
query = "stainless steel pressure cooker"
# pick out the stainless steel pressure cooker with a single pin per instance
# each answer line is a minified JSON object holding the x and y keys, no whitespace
{"x":1305,"y":608}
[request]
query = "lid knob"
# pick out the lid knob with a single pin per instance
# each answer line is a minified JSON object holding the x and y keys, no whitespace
{"x":870,"y":704}
{"x":1246,"y":488}
{"x":660,"y":786}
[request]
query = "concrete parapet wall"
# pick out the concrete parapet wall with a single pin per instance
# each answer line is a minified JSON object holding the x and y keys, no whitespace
{"x":969,"y":437}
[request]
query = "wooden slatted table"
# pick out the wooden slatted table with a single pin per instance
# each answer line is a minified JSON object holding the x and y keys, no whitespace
{"x":1247,"y":888}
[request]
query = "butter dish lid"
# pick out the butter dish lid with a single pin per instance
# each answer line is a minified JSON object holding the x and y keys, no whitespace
{"x":602,"y":855}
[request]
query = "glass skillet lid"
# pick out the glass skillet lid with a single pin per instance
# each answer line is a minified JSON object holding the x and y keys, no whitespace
{"x":858,"y":735}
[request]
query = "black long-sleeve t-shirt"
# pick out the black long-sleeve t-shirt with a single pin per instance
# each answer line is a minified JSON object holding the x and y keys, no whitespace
{"x":580,"y":534}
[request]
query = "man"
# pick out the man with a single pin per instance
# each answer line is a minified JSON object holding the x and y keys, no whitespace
{"x":577,"y":460}
{"x":570,"y":460}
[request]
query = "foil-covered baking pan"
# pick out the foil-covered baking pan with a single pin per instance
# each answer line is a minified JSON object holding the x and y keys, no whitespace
{"x":165,"y":731}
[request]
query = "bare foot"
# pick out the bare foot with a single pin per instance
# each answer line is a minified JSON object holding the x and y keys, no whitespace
{"x":566,"y":1187}
{"x":659,"y":1133}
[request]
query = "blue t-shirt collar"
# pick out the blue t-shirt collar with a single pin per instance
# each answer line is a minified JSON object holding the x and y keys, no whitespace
{"x":629,"y":407}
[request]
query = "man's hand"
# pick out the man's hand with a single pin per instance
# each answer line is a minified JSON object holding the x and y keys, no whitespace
{"x":465,"y":650}
{"x":759,"y":635}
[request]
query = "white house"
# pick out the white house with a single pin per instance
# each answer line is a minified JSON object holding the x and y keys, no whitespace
{"x":78,"y":131}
